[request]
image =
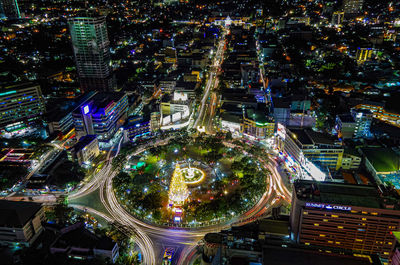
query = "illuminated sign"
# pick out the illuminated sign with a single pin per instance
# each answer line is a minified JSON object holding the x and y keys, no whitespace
{"x":86,"y":109}
{"x":8,"y":93}
{"x":328,"y":206}
{"x":281,"y":131}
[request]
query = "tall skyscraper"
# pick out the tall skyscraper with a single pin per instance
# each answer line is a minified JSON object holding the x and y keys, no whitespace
{"x":352,"y":6}
{"x":92,"y":51}
{"x":9,"y":9}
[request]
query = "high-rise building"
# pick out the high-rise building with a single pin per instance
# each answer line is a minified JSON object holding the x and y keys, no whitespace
{"x":20,"y":105}
{"x":352,"y":6}
{"x":92,"y":51}
{"x":9,"y":9}
{"x":352,"y":218}
{"x":363,"y":120}
{"x":102,"y":115}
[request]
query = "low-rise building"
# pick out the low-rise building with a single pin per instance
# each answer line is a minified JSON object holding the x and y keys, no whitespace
{"x":137,"y":127}
{"x":383,"y":164}
{"x":351,"y":160}
{"x":20,"y":222}
{"x":304,"y":145}
{"x":85,"y":150}
{"x":79,"y":243}
{"x":345,"y":126}
{"x":257,"y":124}
{"x":231,"y":123}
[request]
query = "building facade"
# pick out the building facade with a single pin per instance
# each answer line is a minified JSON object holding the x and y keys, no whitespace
{"x":305,"y":145}
{"x":85,"y":150}
{"x":345,"y":126}
{"x":92,"y":51}
{"x":20,"y":222}
{"x":347,"y":217}
{"x":102,"y":115}
{"x":257,"y":124}
{"x":20,"y":105}
{"x":363,"y":120}
{"x":137,"y":127}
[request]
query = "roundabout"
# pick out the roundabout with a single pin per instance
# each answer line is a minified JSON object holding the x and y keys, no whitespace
{"x":151,"y":235}
{"x":217,"y":183}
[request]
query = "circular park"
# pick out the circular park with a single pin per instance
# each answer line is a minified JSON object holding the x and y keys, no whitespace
{"x":190,"y":181}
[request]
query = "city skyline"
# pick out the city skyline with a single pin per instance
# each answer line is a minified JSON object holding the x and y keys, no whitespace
{"x":191,"y":132}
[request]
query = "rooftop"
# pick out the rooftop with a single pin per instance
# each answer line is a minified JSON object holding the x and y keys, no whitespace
{"x":382,"y":159}
{"x":83,"y":142}
{"x":17,"y":214}
{"x":287,"y":256}
{"x":226,"y":116}
{"x":347,"y":118}
{"x":257,"y":115}
{"x":338,"y":193}
{"x":82,"y":238}
{"x":271,"y":226}
{"x":310,"y":137}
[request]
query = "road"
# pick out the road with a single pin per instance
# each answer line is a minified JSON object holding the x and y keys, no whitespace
{"x":45,"y":160}
{"x":153,"y":239}
{"x":208,"y":103}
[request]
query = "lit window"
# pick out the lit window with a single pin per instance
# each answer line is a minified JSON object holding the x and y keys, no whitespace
{"x":316,"y":224}
{"x":321,"y":235}
{"x":340,"y":227}
{"x":334,"y":215}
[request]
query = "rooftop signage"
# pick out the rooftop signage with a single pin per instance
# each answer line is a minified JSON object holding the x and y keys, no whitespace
{"x":328,"y":206}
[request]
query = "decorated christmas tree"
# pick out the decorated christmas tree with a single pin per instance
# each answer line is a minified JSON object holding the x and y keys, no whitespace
{"x":178,"y":190}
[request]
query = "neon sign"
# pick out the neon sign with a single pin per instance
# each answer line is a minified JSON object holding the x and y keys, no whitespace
{"x":328,"y":206}
{"x":86,"y":109}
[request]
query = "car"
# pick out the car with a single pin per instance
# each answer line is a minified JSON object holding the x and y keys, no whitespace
{"x":168,"y":254}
